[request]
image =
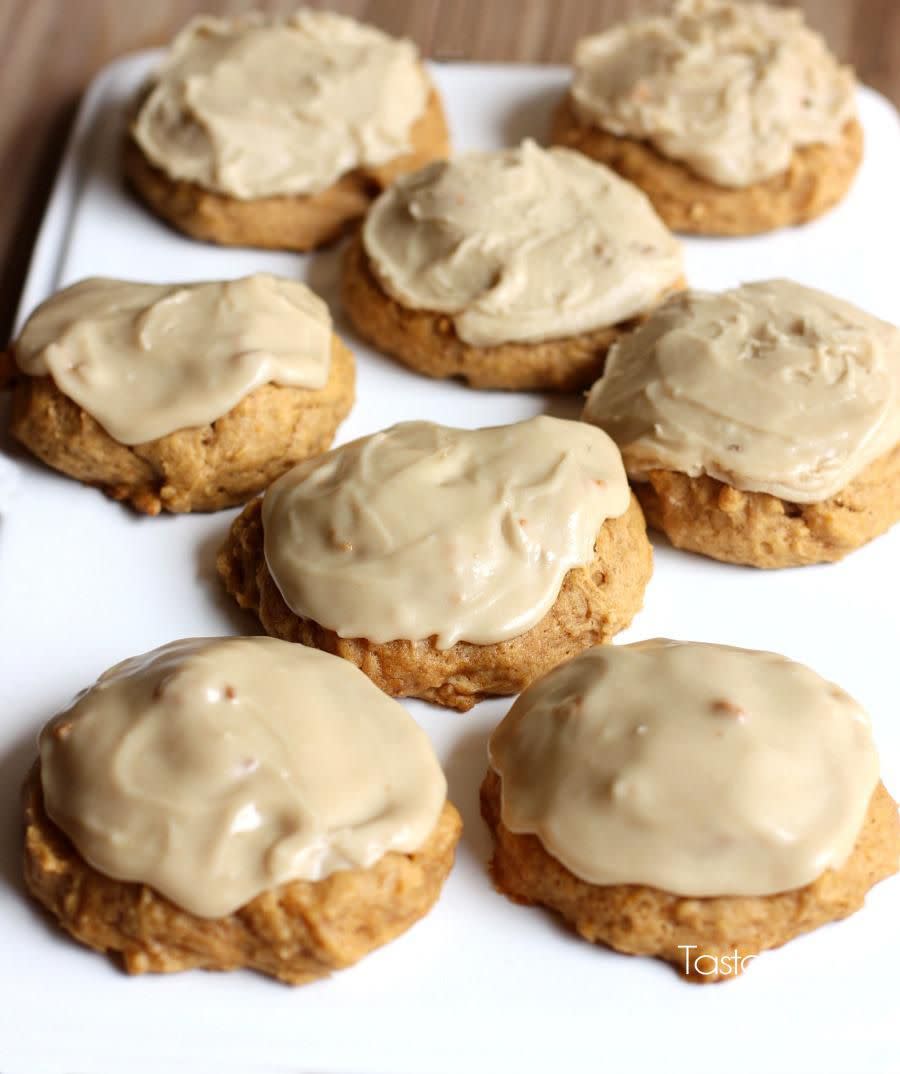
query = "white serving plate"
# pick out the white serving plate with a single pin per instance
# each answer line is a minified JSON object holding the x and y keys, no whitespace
{"x":480,"y":984}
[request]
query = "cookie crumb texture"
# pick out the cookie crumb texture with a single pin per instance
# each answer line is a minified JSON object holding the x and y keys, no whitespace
{"x":640,"y":920}
{"x":296,"y":222}
{"x":426,"y":341}
{"x":297,"y":932}
{"x":594,"y":604}
{"x":202,"y":469}
{"x":703,"y":515}
{"x":817,"y":179}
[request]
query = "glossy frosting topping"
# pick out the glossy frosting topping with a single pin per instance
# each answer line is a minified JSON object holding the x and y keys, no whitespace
{"x":423,"y":531}
{"x":697,"y":769}
{"x":521,"y":244}
{"x":146,"y":360}
{"x":770,"y":387}
{"x":213,"y":769}
{"x":254,"y":106}
{"x":730,"y":89}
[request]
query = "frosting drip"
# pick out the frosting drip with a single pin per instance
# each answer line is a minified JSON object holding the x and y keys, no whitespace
{"x":523,"y":244}
{"x":254,"y":107}
{"x":770,"y":387}
{"x":700,"y":770}
{"x":146,"y":360}
{"x":215,"y":769}
{"x":729,"y":89}
{"x":424,"y":531}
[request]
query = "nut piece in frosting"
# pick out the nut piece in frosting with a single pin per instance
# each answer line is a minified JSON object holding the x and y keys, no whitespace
{"x":447,"y":563}
{"x":696,"y":802}
{"x":272,"y":131}
{"x":733,"y":117}
{"x":237,"y":801}
{"x":146,"y":389}
{"x":513,"y":268}
{"x":760,"y":425}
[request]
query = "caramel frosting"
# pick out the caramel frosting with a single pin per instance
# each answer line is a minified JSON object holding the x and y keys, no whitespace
{"x":729,"y":89}
{"x":522,"y":244}
{"x":146,"y":360}
{"x":214,"y":769}
{"x":422,"y":531}
{"x":700,"y":770}
{"x":253,"y":106}
{"x":770,"y":387}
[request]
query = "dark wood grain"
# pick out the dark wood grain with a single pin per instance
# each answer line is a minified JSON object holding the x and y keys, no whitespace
{"x":50,"y":50}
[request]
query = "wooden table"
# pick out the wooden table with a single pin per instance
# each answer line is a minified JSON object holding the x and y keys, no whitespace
{"x":50,"y":49}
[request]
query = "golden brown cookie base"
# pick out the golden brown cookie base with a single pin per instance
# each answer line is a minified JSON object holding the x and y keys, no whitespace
{"x":297,"y":932}
{"x":201,"y":469}
{"x":817,"y":178}
{"x":594,"y":603}
{"x":427,"y":341}
{"x":284,"y":222}
{"x":640,"y":920}
{"x":703,"y":515}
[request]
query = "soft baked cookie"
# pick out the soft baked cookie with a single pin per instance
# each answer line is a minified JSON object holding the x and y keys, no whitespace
{"x":219,"y":151}
{"x":509,"y":269}
{"x":448,"y":565}
{"x":760,"y":425}
{"x":704,"y":515}
{"x":183,"y":397}
{"x":353,"y":836}
{"x":612,"y":798}
{"x":733,"y":118}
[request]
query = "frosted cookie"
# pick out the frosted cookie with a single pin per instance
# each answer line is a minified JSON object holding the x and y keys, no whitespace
{"x":278,"y":132}
{"x":734,"y":118}
{"x":510,"y":269}
{"x":447,"y":564}
{"x":760,"y":425}
{"x":694,"y":802}
{"x":236,"y":802}
{"x":183,"y":397}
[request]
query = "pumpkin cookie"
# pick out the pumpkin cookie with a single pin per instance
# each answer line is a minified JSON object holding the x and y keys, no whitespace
{"x":760,"y":425}
{"x":220,"y":151}
{"x":448,"y":565}
{"x":734,"y":118}
{"x":350,"y":840}
{"x":513,"y":269}
{"x":613,"y":800}
{"x":183,"y":397}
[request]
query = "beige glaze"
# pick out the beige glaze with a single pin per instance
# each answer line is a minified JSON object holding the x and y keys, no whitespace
{"x":254,"y":106}
{"x":146,"y":360}
{"x":423,"y":531}
{"x":697,"y":769}
{"x":522,"y":244}
{"x":771,"y":387}
{"x":730,"y":89}
{"x":215,"y":769}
